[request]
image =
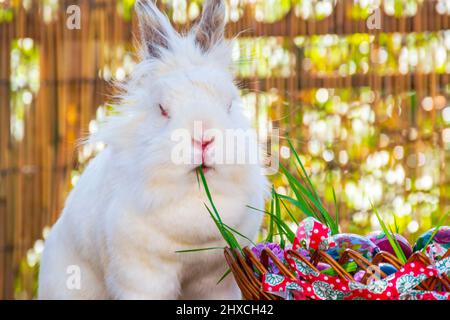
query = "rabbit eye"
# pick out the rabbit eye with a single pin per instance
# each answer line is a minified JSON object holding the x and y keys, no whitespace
{"x":229,"y":106}
{"x":164,"y":112}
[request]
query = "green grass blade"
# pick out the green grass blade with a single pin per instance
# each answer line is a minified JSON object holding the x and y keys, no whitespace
{"x":349,"y":267}
{"x":305,"y":174}
{"x":198,"y":179}
{"x":287,"y":210}
{"x":223,"y":228}
{"x":278,"y":215}
{"x":397,"y":243}
{"x":312,"y":195}
{"x":228,"y":236}
{"x":290,"y":235}
{"x":208,"y":193}
{"x":397,"y":249}
{"x":397,"y":229}
{"x":224,"y":276}
{"x":299,"y":205}
{"x":200,"y":249}
{"x":436,"y":230}
{"x":239,"y":234}
{"x":269,"y":237}
{"x":257,"y":209}
{"x":218,"y":224}
{"x":297,"y":188}
{"x":336,"y":206}
{"x":300,"y":190}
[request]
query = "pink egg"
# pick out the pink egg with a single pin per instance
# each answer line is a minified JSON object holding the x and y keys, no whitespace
{"x":359,"y":275}
{"x":322,"y":266}
{"x":382,"y":241}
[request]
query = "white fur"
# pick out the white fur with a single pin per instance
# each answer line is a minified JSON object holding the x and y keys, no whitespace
{"x":133,"y":208}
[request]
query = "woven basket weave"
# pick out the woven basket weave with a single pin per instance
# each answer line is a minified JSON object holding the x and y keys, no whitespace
{"x":244,"y":266}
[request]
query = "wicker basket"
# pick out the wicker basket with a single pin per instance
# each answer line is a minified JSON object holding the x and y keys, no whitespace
{"x":250,"y":284}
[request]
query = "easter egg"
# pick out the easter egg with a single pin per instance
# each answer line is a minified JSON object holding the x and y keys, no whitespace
{"x":387,"y":268}
{"x":359,"y":275}
{"x":352,"y":241}
{"x":323,"y":266}
{"x":382,"y":241}
{"x":442,"y":237}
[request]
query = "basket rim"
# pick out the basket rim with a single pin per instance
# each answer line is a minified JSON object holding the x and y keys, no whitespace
{"x":247,"y":269}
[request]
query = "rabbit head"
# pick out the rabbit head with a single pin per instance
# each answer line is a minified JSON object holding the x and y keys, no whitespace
{"x":179,"y":107}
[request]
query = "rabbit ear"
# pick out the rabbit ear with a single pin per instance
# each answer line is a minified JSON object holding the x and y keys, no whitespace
{"x":210,"y":29}
{"x":155,"y":27}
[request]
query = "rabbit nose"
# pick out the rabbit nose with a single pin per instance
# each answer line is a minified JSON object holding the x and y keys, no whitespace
{"x":203,"y":143}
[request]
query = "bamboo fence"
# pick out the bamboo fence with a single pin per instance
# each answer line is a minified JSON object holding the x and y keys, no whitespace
{"x":35,"y":170}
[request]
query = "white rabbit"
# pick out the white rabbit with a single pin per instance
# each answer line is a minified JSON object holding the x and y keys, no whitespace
{"x":134,"y":207}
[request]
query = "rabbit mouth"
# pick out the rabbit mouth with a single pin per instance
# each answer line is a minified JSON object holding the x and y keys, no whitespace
{"x":204,"y":168}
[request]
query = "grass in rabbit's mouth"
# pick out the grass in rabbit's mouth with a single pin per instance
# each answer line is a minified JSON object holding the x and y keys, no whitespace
{"x":228,"y":233}
{"x":203,"y":167}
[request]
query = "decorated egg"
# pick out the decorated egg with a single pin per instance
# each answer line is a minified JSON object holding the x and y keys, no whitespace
{"x":323,"y":266}
{"x":387,"y":268}
{"x":352,"y":241}
{"x":359,"y":275}
{"x":304,"y":253}
{"x":382,"y":241}
{"x":442,"y":237}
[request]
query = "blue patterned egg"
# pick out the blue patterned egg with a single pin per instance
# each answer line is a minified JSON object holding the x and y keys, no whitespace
{"x":353,"y":241}
{"x":387,"y":268}
{"x":442,"y":237}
